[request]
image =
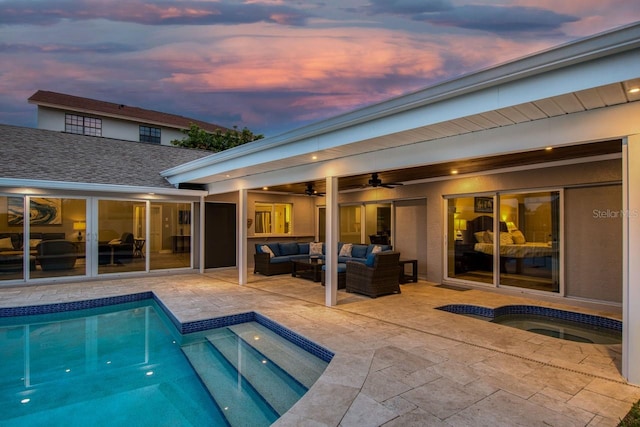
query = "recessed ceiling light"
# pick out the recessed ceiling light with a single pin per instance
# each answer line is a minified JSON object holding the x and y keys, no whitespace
{"x":548,"y":148}
{"x":454,"y":172}
{"x":634,"y":90}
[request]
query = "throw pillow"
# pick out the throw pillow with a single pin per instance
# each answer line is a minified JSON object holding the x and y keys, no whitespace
{"x":479,"y":235}
{"x":6,"y":244}
{"x":371,"y":259}
{"x":376,"y":249}
{"x":34,"y":242}
{"x":267,"y":250}
{"x":315,"y":248}
{"x":505,"y":238}
{"x":346,"y":249}
{"x":518,"y":237}
{"x":488,"y":236}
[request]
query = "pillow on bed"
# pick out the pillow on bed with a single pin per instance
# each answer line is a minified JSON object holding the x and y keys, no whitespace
{"x":518,"y":237}
{"x":6,"y":244}
{"x":479,"y":235}
{"x":505,"y":238}
{"x":488,"y":236}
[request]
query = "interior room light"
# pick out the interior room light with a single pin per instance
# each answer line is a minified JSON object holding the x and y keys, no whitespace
{"x":460,"y":225}
{"x":79,"y":226}
{"x":265,"y":188}
{"x":26,"y":400}
{"x":548,"y":148}
{"x":454,"y":172}
{"x":314,"y":157}
{"x":634,"y":90}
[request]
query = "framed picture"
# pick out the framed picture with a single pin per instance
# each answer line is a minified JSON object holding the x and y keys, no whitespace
{"x":483,"y":204}
{"x":42,"y":211}
{"x":184,"y":217}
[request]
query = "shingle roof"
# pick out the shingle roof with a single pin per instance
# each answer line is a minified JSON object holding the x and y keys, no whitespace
{"x":77,"y":103}
{"x":40,"y":154}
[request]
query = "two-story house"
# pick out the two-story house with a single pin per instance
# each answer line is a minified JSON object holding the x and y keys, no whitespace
{"x":85,"y":116}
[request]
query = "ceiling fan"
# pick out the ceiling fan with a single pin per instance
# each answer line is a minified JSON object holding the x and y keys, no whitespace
{"x":375,"y":181}
{"x":310,"y":191}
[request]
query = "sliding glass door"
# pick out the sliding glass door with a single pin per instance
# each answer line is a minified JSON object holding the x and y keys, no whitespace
{"x":530,"y":248}
{"x":42,"y":237}
{"x":517,"y":244}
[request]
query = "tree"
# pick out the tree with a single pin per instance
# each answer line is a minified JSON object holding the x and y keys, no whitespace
{"x":215,"y":141}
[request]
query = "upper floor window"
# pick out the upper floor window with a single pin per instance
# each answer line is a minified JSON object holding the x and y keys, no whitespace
{"x":149,"y":134}
{"x":273,"y":218}
{"x":82,"y":125}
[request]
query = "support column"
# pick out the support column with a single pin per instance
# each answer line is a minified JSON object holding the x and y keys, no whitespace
{"x":242,"y":237}
{"x":630,"y":257}
{"x":331,"y":251}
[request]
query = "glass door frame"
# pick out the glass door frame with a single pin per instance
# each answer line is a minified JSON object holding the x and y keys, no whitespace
{"x":496,"y":195}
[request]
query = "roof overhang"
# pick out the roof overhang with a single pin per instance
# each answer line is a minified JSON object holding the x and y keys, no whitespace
{"x":571,"y":80}
{"x":33,"y":185}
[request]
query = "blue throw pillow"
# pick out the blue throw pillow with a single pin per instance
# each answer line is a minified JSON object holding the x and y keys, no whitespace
{"x":288,"y":248}
{"x":303,"y":248}
{"x":371,"y":260}
{"x":275,"y":248}
{"x":359,"y":251}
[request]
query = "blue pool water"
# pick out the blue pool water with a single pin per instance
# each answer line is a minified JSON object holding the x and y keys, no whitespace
{"x":128,"y":365}
{"x":562,"y":324}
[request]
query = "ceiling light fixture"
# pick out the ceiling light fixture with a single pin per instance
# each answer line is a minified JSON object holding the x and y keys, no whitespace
{"x":265,"y":188}
{"x":634,"y":90}
{"x":454,"y":171}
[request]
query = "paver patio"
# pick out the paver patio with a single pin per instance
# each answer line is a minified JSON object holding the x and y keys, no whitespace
{"x":398,"y":361}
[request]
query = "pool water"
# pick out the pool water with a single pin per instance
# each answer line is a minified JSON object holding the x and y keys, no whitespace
{"x":551,"y":322}
{"x":558,"y":328}
{"x":128,"y":365}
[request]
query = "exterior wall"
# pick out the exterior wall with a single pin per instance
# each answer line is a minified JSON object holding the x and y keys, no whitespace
{"x":303,"y":217}
{"x":593,"y":221}
{"x":53,"y":119}
{"x":580,"y":279}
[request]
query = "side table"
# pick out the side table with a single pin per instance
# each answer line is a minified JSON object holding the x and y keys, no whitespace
{"x":413,"y":277}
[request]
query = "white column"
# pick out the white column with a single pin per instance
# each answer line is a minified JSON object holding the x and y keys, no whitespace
{"x":242,"y":237}
{"x":331,"y":255}
{"x":630,"y":257}
{"x":201,"y":225}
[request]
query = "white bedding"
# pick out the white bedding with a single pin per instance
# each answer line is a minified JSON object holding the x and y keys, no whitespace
{"x":525,"y":250}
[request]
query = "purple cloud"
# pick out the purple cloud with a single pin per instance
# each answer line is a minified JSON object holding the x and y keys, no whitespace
{"x":499,"y":19}
{"x":46,"y":12}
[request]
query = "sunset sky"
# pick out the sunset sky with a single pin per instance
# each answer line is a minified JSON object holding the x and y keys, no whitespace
{"x":271,"y":65}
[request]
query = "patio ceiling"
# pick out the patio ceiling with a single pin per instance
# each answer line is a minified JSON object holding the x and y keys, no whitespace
{"x":469,"y":166}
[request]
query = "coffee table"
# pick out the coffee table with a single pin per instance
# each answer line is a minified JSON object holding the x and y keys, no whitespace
{"x":307,"y":268}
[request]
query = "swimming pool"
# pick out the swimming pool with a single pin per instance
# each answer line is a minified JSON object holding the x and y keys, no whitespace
{"x":128,"y":364}
{"x":566,"y":325}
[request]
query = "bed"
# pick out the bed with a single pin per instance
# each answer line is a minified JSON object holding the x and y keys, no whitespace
{"x":513,"y":245}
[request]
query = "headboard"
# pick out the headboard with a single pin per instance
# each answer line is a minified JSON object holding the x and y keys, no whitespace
{"x":480,"y":223}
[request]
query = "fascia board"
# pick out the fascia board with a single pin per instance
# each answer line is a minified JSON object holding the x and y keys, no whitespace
{"x":90,"y":187}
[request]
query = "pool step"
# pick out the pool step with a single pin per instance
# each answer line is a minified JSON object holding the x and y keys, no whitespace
{"x":297,"y":362}
{"x":236,"y":398}
{"x":276,"y":386}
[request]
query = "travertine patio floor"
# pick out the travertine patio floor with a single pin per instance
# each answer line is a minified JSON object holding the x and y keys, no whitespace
{"x":400,"y":362}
